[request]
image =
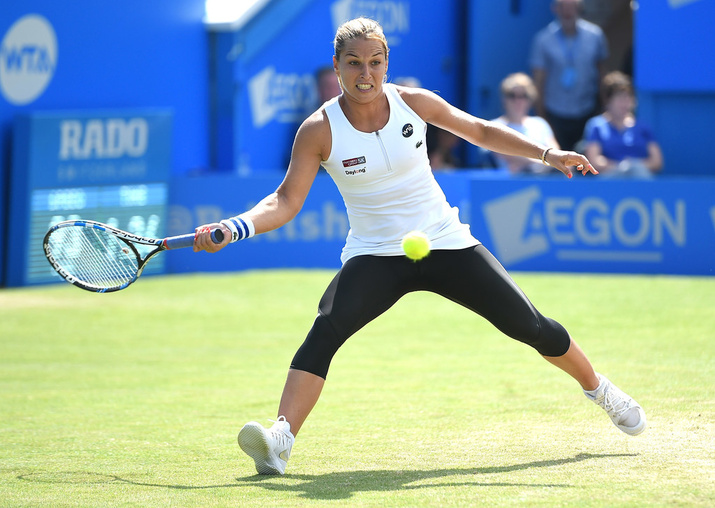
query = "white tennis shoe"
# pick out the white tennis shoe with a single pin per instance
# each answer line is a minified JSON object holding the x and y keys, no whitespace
{"x":625,"y":413}
{"x":269,"y":448}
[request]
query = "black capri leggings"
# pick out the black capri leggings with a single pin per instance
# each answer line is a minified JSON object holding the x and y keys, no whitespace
{"x":367,"y":286}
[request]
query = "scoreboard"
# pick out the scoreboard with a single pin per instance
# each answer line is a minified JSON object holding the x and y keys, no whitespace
{"x":137,"y":208}
{"x":108,"y":166}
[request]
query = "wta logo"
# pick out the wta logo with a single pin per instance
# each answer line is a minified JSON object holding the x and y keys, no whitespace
{"x":28,"y":59}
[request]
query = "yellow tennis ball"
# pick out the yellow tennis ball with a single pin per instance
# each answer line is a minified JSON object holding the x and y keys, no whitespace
{"x":416,"y":245}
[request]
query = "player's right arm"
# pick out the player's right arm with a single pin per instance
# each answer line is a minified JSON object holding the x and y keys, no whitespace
{"x":283,"y":205}
{"x":311,"y":146}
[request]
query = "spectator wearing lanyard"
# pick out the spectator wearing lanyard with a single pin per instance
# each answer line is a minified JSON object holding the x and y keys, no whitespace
{"x":568,"y":59}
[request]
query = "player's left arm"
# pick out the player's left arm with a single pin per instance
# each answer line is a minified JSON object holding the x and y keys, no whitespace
{"x":490,"y":135}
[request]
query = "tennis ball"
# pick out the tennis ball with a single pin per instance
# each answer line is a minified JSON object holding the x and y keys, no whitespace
{"x":416,"y":245}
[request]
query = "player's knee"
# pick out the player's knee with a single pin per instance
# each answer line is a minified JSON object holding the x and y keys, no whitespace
{"x":545,"y":335}
{"x":526,"y":329}
{"x":318,"y":349}
{"x":553,"y":339}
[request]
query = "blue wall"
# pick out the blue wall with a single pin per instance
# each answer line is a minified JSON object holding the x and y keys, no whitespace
{"x":674,"y":43}
{"x":683,"y":123}
{"x":272,"y":87}
{"x":105,"y":55}
{"x":132,"y":53}
{"x":675,"y":78}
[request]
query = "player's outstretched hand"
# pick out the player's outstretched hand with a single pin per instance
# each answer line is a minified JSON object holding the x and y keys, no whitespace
{"x":564,"y":161}
{"x":203,"y":240}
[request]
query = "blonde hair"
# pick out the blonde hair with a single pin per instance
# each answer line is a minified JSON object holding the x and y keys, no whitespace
{"x":356,"y":28}
{"x":519,"y":80}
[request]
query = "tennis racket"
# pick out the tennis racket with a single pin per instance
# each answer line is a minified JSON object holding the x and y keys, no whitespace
{"x":102,"y":259}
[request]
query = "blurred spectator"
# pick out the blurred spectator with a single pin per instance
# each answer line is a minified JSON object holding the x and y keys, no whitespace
{"x":615,"y":142}
{"x":442,"y":148}
{"x":441,"y":144}
{"x":327,"y":86}
{"x":410,"y":81}
{"x":518,"y":94}
{"x":327,"y":83}
{"x":568,"y":59}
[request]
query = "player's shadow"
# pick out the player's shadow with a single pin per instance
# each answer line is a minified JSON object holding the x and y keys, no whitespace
{"x":345,"y":484}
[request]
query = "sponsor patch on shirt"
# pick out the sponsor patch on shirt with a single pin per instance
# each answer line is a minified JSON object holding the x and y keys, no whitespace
{"x":348,"y":163}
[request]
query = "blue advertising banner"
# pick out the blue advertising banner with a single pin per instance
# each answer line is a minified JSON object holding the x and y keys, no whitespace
{"x":584,"y":225}
{"x":74,"y":148}
{"x":108,"y":166}
{"x":314,"y":239}
{"x":591,"y":225}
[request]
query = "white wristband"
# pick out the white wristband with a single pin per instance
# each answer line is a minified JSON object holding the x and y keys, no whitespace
{"x":241,"y":227}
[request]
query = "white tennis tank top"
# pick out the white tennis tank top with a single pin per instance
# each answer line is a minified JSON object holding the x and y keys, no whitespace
{"x":387,"y":184}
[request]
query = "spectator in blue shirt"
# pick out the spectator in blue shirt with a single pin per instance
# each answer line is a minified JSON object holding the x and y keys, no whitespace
{"x":568,"y":59}
{"x":617,"y":144}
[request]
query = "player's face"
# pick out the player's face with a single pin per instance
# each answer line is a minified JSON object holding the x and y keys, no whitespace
{"x":362,"y":68}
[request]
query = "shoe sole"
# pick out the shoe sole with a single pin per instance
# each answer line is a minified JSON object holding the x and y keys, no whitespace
{"x":252,"y":440}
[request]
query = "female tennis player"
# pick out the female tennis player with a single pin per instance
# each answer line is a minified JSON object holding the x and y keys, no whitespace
{"x":370,"y":139}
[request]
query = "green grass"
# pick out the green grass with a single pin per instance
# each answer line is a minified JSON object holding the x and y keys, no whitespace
{"x":135,"y":398}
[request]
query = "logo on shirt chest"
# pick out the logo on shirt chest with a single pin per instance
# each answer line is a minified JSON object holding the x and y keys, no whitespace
{"x":348,"y":163}
{"x":351,"y":163}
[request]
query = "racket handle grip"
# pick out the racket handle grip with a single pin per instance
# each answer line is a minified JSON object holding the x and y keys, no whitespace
{"x":217,"y":235}
{"x":183,"y":241}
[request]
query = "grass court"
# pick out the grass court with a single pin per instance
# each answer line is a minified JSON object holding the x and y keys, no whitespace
{"x":135,"y":398}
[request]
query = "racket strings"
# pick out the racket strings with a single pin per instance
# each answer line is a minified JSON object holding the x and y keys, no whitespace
{"x":112,"y":267}
{"x":93,"y":256}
